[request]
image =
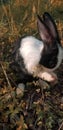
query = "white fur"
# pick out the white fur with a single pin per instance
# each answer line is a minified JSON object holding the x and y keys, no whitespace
{"x":30,"y":50}
{"x":60,"y":57}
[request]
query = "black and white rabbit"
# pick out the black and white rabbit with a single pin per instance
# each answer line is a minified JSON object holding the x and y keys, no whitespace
{"x":40,"y":57}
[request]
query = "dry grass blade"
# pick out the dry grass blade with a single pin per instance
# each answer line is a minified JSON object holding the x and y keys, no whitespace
{"x":7,"y":79}
{"x":61,"y":126}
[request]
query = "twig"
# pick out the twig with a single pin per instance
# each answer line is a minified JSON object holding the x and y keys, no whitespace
{"x":31,"y":100}
{"x":60,"y":126}
{"x":12,"y":81}
{"x":41,"y":82}
{"x":6,"y":76}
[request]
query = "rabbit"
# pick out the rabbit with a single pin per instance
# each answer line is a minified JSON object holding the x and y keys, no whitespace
{"x":39,"y":58}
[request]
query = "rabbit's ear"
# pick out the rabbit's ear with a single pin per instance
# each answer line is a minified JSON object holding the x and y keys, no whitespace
{"x":44,"y":30}
{"x":51,"y":24}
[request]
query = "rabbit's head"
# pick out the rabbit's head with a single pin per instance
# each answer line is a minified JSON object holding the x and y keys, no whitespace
{"x":52,"y":54}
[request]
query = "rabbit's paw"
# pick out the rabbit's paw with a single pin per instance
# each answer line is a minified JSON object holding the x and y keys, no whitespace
{"x":50,"y":77}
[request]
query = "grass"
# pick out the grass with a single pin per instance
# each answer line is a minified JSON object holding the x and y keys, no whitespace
{"x":39,"y":106}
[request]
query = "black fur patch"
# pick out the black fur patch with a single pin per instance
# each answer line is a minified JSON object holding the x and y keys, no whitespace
{"x":49,"y":55}
{"x":17,"y":58}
